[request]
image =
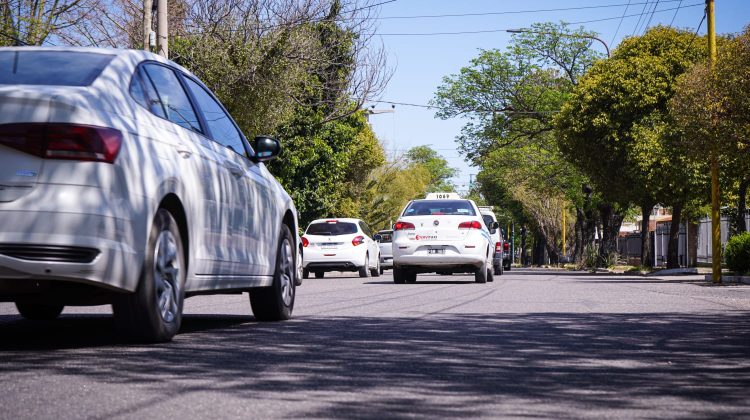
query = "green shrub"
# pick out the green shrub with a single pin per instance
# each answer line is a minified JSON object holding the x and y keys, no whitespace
{"x":737,"y":253}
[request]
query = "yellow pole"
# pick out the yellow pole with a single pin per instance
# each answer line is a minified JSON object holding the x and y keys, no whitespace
{"x":715,"y":198}
{"x":563,"y":231}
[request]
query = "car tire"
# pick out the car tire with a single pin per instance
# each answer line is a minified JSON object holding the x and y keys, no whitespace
{"x":39,"y":311}
{"x":498,"y":271}
{"x":305,"y":273}
{"x":153,"y":313}
{"x":399,"y":275}
{"x":298,"y":263}
{"x":381,"y":270}
{"x":490,"y":275}
{"x":411,"y":277}
{"x":480,"y":275}
{"x":276,"y":302}
{"x":507,"y":267}
{"x":377,"y":271}
{"x":364,"y":271}
{"x":320,"y":274}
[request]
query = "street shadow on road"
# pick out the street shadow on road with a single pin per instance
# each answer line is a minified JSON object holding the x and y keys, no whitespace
{"x":445,"y":365}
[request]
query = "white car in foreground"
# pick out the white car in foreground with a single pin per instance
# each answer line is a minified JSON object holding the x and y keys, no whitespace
{"x":124,"y":180}
{"x":444,"y":234}
{"x":339,"y":245}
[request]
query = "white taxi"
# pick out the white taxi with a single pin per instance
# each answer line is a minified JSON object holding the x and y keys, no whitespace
{"x":442,"y":233}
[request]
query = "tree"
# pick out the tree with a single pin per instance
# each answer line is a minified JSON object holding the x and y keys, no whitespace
{"x":615,"y":126}
{"x":510,"y":99}
{"x":28,"y":22}
{"x":437,"y":167}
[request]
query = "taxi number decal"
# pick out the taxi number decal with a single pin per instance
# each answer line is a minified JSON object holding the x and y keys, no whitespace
{"x":425,"y":237}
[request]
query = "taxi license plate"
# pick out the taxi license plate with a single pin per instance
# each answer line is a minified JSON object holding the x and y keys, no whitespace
{"x":329,"y":246}
{"x":436,"y":251}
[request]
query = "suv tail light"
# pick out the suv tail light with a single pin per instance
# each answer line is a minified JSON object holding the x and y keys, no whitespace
{"x":498,"y":246}
{"x":359,"y":240}
{"x":63,"y":141}
{"x":305,"y":242}
{"x":472,"y":224}
{"x":403,"y":226}
{"x":506,"y":246}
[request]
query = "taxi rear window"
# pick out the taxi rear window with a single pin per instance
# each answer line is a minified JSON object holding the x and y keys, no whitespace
{"x":331,"y":229}
{"x":439,"y":207}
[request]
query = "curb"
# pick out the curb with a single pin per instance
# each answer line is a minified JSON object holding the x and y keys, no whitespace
{"x":673,"y":272}
{"x":730,"y":279}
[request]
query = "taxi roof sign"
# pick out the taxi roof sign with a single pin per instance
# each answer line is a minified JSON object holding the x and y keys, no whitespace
{"x":443,"y":196}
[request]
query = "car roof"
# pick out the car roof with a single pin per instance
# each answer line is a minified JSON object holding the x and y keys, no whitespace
{"x":338,"y":219}
{"x":125,"y":54}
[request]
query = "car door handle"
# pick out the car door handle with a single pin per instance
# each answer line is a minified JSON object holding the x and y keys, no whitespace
{"x":234,"y":169}
{"x":185,"y":153}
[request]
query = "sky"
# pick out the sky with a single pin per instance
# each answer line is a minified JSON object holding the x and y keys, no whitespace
{"x":420,"y":62}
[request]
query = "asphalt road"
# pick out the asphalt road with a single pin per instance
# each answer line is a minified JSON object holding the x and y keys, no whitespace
{"x":533,"y":343}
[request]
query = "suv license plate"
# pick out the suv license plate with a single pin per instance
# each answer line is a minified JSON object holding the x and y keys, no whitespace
{"x":436,"y":251}
{"x":329,"y":246}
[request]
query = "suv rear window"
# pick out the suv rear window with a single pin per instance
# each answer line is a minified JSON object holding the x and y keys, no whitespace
{"x":385,"y":237}
{"x":59,"y":68}
{"x":439,"y":207}
{"x":331,"y":229}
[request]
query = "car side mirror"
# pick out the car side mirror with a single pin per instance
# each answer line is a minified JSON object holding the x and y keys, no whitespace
{"x":377,"y":238}
{"x":495,"y":225}
{"x":266,"y":148}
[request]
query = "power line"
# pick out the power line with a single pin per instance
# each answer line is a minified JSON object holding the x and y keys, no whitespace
{"x":638,"y":23}
{"x":652,"y":16}
{"x":620,"y":23}
{"x":510,"y":111}
{"x":675,"y":13}
{"x":505,"y":30}
{"x":513,"y":12}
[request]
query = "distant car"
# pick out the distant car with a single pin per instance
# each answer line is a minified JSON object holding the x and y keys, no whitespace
{"x":507,"y":257}
{"x":443,"y":234}
{"x":490,"y":220}
{"x":339,"y":245}
{"x":385,"y":239}
{"x":124,"y":180}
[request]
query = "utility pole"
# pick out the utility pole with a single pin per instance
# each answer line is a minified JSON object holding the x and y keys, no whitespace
{"x":563,"y":234}
{"x":148,"y":6}
{"x":162,"y":29}
{"x":715,"y":206}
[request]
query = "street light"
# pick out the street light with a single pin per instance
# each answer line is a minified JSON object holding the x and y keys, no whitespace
{"x":531,"y":31}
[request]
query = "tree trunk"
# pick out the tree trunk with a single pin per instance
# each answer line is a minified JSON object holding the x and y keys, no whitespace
{"x":524,"y":259}
{"x":577,"y":253}
{"x":673,"y":248}
{"x":611,"y":223}
{"x":538,"y":254}
{"x":742,"y":206}
{"x":647,"y":256}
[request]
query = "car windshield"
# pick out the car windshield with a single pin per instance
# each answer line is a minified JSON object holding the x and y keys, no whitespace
{"x":439,"y":207}
{"x":331,"y":228}
{"x":59,"y":68}
{"x":385,"y":237}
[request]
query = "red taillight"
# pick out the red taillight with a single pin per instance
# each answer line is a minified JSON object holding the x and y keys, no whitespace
{"x":305,"y":242}
{"x":359,"y":240}
{"x":63,"y":141}
{"x":498,"y":246}
{"x":403,"y":226}
{"x":506,"y":246}
{"x":473,"y":224}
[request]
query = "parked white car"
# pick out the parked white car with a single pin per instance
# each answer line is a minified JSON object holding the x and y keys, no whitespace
{"x":339,"y":245}
{"x":124,"y":180}
{"x":496,"y":234}
{"x":442,"y":233}
{"x":385,"y":242}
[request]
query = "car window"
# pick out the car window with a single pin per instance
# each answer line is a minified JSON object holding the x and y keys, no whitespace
{"x":439,"y":207}
{"x":219,"y":123}
{"x":60,"y":68}
{"x":385,"y":237}
{"x":487,"y":220}
{"x":173,"y":97}
{"x":331,"y":228}
{"x":365,"y":229}
{"x":142,"y":90}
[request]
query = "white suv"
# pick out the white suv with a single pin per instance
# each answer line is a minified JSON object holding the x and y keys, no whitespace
{"x":124,"y":180}
{"x":442,"y":233}
{"x":339,"y":245}
{"x":490,"y":220}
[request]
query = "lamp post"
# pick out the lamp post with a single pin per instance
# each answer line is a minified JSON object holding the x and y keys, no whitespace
{"x":531,"y":31}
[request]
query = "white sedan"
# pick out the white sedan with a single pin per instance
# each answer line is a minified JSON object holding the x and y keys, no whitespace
{"x":124,"y":180}
{"x":443,"y":235}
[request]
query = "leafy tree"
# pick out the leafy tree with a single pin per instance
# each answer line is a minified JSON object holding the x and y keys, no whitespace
{"x":436,"y":166}
{"x":390,"y":188}
{"x":615,"y":126}
{"x":28,"y":22}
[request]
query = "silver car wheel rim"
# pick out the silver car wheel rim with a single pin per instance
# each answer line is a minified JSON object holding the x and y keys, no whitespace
{"x":167,"y":275}
{"x":286,"y":273}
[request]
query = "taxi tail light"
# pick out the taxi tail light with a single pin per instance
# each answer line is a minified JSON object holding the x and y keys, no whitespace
{"x":472,"y":224}
{"x":498,"y":246}
{"x":63,"y":141}
{"x":305,"y":242}
{"x":403,"y":226}
{"x":358,"y":240}
{"x":506,"y":246}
